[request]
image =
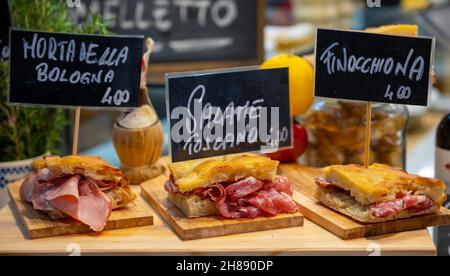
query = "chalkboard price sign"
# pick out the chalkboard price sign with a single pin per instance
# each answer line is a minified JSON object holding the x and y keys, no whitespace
{"x":234,"y":111}
{"x":5,"y":23}
{"x":373,"y":67}
{"x":55,"y":69}
{"x":188,"y":34}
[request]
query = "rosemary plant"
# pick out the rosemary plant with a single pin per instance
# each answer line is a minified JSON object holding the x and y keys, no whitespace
{"x":28,"y":132}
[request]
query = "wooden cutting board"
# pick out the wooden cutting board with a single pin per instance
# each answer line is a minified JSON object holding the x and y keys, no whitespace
{"x":345,"y":227}
{"x":212,"y":226}
{"x":38,"y":225}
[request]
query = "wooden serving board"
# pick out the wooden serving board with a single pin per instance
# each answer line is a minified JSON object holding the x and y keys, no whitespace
{"x":345,"y":227}
{"x":38,"y":225}
{"x":212,"y":226}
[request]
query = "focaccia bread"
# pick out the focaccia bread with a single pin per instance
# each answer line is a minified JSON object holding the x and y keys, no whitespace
{"x":237,"y":186}
{"x":401,"y":30}
{"x":200,"y":174}
{"x":193,"y":206}
{"x":379,"y":193}
{"x":90,"y":166}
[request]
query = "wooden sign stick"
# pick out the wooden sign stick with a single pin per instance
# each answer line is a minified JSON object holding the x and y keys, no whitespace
{"x":368,"y":134}
{"x":76,"y":131}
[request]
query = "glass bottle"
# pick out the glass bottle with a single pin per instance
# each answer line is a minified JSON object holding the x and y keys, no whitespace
{"x":138,"y":135}
{"x":441,"y":235}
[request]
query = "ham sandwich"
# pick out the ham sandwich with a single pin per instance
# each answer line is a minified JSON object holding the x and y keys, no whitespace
{"x":379,"y":193}
{"x":85,"y":188}
{"x":234,"y":186}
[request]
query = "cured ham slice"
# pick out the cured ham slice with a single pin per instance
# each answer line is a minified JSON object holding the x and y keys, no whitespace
{"x":171,"y":187}
{"x":243,"y":188}
{"x":281,"y":184}
{"x":410,"y":203}
{"x":239,"y":210}
{"x":214,"y":192}
{"x":84,"y":202}
{"x":105,"y":185}
{"x":386,"y":209}
{"x":273,"y":202}
{"x":416,"y":204}
{"x":325,"y":184}
{"x":247,"y":198}
{"x":73,"y":196}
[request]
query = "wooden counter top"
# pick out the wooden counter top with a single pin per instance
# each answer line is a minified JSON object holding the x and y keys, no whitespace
{"x":161,"y":240}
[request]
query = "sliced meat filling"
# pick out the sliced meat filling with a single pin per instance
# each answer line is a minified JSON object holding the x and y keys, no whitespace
{"x":247,"y":198}
{"x":73,"y":195}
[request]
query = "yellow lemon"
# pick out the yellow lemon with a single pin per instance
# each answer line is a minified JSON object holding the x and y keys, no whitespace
{"x":301,"y":81}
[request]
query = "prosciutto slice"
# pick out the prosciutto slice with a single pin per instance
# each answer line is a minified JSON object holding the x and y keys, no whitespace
{"x":214,"y":192}
{"x":239,"y":209}
{"x":243,"y":188}
{"x":273,"y":202}
{"x":411,"y":203}
{"x":73,"y":196}
{"x":281,"y":184}
{"x":247,"y":198}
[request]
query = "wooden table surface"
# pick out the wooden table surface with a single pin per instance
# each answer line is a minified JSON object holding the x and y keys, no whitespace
{"x":159,"y":239}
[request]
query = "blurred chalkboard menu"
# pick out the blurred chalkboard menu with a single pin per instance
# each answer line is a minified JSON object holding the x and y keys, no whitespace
{"x":189,"y":34}
{"x":59,"y":69}
{"x":5,"y":23}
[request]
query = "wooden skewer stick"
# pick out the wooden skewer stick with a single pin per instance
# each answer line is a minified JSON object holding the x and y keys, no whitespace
{"x":76,"y":131}
{"x":368,"y":134}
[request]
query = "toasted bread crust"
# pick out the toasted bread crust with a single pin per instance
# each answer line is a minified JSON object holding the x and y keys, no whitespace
{"x":193,"y":206}
{"x":401,"y":30}
{"x":192,"y":175}
{"x":90,"y":166}
{"x":120,"y":196}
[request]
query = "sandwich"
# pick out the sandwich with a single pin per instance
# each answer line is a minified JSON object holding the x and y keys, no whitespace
{"x":379,"y":193}
{"x":236,"y":186}
{"x":85,"y":188}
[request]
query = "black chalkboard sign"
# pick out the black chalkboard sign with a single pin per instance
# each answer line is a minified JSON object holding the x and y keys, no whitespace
{"x":55,"y":69}
{"x":373,"y":67}
{"x":219,"y":113}
{"x":189,"y":34}
{"x":5,"y":23}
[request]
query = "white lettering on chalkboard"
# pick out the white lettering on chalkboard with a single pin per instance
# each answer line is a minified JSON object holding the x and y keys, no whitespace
{"x":70,"y":53}
{"x":230,"y":13}
{"x":372,"y":65}
{"x":57,"y":74}
{"x":67,"y":51}
{"x":210,"y":127}
{"x":117,"y":98}
{"x":4,"y":51}
{"x":221,"y":13}
{"x":163,"y":15}
{"x":346,"y":62}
